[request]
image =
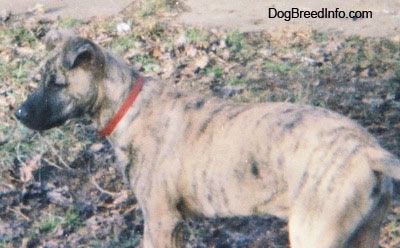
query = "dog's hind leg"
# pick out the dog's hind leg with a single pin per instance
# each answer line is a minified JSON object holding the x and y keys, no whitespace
{"x":367,"y":235}
{"x":346,"y":214}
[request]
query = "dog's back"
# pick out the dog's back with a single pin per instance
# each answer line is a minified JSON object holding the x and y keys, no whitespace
{"x":320,"y":170}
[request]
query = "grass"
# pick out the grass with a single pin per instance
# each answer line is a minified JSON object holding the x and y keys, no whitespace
{"x":22,"y":36}
{"x":215,"y":70}
{"x":48,"y":223}
{"x":18,"y":70}
{"x":70,"y":221}
{"x":391,"y":46}
{"x":56,"y":146}
{"x":150,"y":7}
{"x":68,"y":22}
{"x":146,"y":63}
{"x":282,"y":67}
{"x":196,"y":35}
{"x":318,"y":36}
{"x":235,"y":81}
{"x":109,"y":26}
{"x":123,"y":43}
{"x":115,"y":242}
{"x":397,"y":71}
{"x":235,"y":41}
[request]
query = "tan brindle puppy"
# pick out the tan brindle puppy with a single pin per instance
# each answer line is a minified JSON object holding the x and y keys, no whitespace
{"x":186,"y":154}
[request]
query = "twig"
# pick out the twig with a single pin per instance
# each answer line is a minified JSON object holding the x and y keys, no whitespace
{"x":134,"y":207}
{"x":54,"y":151}
{"x":52,"y":164}
{"x":18,"y":212}
{"x":93,"y":181}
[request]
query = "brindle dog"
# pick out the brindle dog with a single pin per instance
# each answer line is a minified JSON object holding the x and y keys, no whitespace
{"x":189,"y":154}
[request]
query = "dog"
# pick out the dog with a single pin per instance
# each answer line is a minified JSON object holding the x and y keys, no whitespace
{"x":187,"y":154}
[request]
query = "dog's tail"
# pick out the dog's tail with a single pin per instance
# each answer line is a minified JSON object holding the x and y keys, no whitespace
{"x":383,"y":161}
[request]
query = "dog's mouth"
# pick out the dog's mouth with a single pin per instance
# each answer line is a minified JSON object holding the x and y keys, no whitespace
{"x":40,"y":113}
{"x":36,"y":120}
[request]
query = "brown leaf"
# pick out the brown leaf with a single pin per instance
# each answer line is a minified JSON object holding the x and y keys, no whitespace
{"x":26,"y":171}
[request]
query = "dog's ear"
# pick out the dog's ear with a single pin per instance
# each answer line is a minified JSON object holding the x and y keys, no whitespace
{"x":80,"y":52}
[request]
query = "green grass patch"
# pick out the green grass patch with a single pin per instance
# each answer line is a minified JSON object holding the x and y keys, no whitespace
{"x":235,"y":81}
{"x":318,"y":36}
{"x":215,"y":70}
{"x":116,"y":241}
{"x":282,"y":68}
{"x":69,"y":222}
{"x":235,"y":41}
{"x":150,"y":7}
{"x":68,"y":22}
{"x":48,"y":223}
{"x":391,"y":46}
{"x":18,"y":35}
{"x":146,"y":63}
{"x":196,"y":35}
{"x":123,"y":43}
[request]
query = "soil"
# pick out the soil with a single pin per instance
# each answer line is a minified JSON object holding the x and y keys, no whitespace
{"x":238,"y":14}
{"x":254,"y":16}
{"x":60,"y":188}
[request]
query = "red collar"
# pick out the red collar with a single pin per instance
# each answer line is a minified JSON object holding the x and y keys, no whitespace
{"x":107,"y":130}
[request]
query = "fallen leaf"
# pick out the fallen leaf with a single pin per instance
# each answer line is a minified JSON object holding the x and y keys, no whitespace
{"x":26,"y":171}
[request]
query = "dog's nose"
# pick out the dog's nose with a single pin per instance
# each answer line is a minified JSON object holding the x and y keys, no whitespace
{"x":21,"y":113}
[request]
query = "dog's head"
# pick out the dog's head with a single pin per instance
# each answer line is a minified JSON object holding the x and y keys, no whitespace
{"x":68,"y":88}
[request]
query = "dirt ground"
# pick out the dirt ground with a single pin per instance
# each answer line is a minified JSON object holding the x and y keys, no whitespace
{"x":244,"y":15}
{"x":254,"y":15}
{"x":66,"y":8}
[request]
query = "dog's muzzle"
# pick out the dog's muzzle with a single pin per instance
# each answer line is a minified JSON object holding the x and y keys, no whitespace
{"x":40,"y":112}
{"x":28,"y":117}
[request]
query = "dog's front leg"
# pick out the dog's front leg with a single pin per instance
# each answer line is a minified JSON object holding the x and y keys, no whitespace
{"x":161,"y":230}
{"x":161,"y":218}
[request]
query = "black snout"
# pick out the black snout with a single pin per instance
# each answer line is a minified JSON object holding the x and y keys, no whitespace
{"x":40,"y":112}
{"x":30,"y":116}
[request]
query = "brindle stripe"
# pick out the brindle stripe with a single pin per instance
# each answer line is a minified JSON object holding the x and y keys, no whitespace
{"x":262,"y":119}
{"x":196,"y":105}
{"x":209,"y":119}
{"x":236,"y":111}
{"x":254,"y":169}
{"x":327,"y":166}
{"x":298,"y":117}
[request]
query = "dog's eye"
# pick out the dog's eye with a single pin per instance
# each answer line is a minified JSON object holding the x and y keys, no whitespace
{"x":56,"y":82}
{"x":60,"y":82}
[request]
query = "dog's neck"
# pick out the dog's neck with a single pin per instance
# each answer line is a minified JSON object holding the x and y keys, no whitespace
{"x":126,"y":104}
